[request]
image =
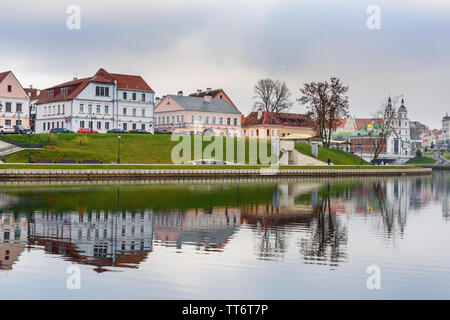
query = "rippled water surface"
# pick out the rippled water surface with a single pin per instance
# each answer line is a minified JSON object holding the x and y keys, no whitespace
{"x":280,"y":239}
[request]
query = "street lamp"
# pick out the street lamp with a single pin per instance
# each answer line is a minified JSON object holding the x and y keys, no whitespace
{"x":118,"y":151}
{"x":29,"y":146}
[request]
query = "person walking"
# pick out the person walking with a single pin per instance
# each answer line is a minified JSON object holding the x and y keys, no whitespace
{"x":329,"y":161}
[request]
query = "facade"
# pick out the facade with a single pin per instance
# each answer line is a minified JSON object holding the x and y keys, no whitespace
{"x":14,"y":102}
{"x":416,"y":130}
{"x":267,"y":125}
{"x":430,"y":138}
{"x":197,"y":115}
{"x":397,"y":146}
{"x":102,"y":102}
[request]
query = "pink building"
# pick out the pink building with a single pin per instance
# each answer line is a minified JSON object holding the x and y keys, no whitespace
{"x":14,"y":102}
{"x":197,"y":115}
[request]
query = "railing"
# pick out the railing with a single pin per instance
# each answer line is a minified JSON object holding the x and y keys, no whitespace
{"x":20,"y":144}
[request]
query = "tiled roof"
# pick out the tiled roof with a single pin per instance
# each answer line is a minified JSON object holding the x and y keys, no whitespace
{"x":75,"y":87}
{"x":3,"y":75}
{"x":280,"y":119}
{"x":361,"y":122}
{"x":200,"y":105}
{"x":33,"y":92}
{"x":204,"y":93}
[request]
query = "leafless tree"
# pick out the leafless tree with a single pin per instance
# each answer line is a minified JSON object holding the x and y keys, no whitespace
{"x":386,"y":114}
{"x":271,"y":95}
{"x":326,"y":105}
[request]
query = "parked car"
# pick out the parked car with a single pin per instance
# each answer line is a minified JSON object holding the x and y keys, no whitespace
{"x":7,"y":129}
{"x":60,"y":130}
{"x":21,"y":129}
{"x":162,"y":131}
{"x":117,"y":131}
{"x":140,"y":131}
{"x":86,"y":130}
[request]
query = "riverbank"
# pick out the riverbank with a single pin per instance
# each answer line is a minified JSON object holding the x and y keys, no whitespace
{"x":195,"y":172}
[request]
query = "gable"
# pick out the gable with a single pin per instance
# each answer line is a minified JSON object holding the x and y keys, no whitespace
{"x":168,"y":104}
{"x":17,"y":90}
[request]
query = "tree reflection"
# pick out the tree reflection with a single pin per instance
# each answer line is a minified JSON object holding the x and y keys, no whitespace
{"x":328,"y":236}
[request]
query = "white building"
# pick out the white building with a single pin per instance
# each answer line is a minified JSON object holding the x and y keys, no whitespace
{"x":399,"y":142}
{"x":446,"y":129}
{"x":102,"y":102}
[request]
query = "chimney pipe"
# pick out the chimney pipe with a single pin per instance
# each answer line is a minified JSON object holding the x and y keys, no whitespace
{"x":180,"y":93}
{"x":199,"y":91}
{"x":208,"y":90}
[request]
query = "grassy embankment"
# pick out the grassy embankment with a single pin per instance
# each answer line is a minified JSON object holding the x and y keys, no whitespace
{"x":337,"y":157}
{"x":421,"y":160}
{"x":134,"y":148}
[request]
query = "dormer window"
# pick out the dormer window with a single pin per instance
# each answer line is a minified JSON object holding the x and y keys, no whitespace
{"x":102,"y":91}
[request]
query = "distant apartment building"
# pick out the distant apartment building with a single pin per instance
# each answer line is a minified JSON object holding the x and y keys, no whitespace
{"x":416,"y":130}
{"x":267,"y":125}
{"x":197,"y":115}
{"x":14,"y":102}
{"x":102,"y":102}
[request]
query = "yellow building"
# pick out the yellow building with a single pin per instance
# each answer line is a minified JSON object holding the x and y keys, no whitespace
{"x":267,"y":125}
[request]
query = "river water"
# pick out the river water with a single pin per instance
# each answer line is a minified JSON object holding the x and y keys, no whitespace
{"x":356,"y":238}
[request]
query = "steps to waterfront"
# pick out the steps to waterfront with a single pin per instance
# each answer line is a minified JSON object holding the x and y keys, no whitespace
{"x":139,"y":174}
{"x":7,"y":148}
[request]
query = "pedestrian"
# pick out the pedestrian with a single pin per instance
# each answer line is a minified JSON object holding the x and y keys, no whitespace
{"x":329,"y":161}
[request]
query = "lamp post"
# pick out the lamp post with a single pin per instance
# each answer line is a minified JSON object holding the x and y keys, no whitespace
{"x":118,"y":150}
{"x":29,"y":146}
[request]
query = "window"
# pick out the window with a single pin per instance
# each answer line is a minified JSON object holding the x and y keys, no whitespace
{"x":199,"y":119}
{"x":91,"y":125}
{"x":99,"y":109}
{"x":221,"y":120}
{"x":143,"y":97}
{"x":63,"y":109}
{"x":102,"y":91}
{"x":54,"y":110}
{"x":45,"y":112}
{"x":81,"y":108}
{"x":235,"y":121}
{"x":178,"y":119}
{"x":9,"y":88}
{"x":124,"y":111}
{"x":134,"y":96}
{"x":207,"y":119}
{"x":99,"y":125}
{"x":143,"y":112}
{"x":90,"y":108}
{"x":143,"y":126}
{"x":134,"y":111}
{"x":134,"y":126}
{"x":213,"y":120}
{"x":8,"y":107}
{"x":106,"y":109}
{"x":268,"y":132}
{"x":44,"y":126}
{"x":228,"y":121}
{"x":18,"y":122}
{"x":124,"y":96}
{"x":81,"y":124}
{"x":106,"y":125}
{"x":124,"y":126}
{"x":18,"y":107}
{"x":159,"y":120}
{"x":192,"y":119}
{"x":7,"y":122}
{"x":173,"y":119}
{"x":182,"y":118}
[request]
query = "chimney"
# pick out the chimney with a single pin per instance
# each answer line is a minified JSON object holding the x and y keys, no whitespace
{"x":180,"y":93}
{"x":208,"y":90}
{"x":157,"y":100}
{"x":259,"y":113}
{"x":208,"y":98}
{"x":199,"y":91}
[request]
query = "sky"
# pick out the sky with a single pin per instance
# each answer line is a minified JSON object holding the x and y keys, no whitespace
{"x":194,"y":44}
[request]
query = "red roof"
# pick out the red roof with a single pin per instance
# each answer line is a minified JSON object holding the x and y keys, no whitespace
{"x":32,"y":91}
{"x":74,"y":87}
{"x":361,"y":122}
{"x":3,"y":75}
{"x":278,"y":119}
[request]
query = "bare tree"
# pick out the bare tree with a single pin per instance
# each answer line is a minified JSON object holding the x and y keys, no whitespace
{"x":386,"y":114}
{"x":272,"y":96}
{"x":326,"y":105}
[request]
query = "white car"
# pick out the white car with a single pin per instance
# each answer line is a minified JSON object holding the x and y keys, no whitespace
{"x":7,"y":129}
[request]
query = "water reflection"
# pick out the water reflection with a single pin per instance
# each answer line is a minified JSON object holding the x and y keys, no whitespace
{"x":110,"y":227}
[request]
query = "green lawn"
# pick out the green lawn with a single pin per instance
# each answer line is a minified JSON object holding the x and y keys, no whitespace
{"x":421,"y":160}
{"x":134,"y":148}
{"x":337,"y":157}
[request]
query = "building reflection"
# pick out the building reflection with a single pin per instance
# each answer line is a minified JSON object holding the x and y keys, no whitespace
{"x":309,"y":218}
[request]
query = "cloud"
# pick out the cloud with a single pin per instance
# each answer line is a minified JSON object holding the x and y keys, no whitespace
{"x":189,"y":44}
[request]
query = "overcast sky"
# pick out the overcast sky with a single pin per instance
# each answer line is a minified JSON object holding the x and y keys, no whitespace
{"x":190,"y":44}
